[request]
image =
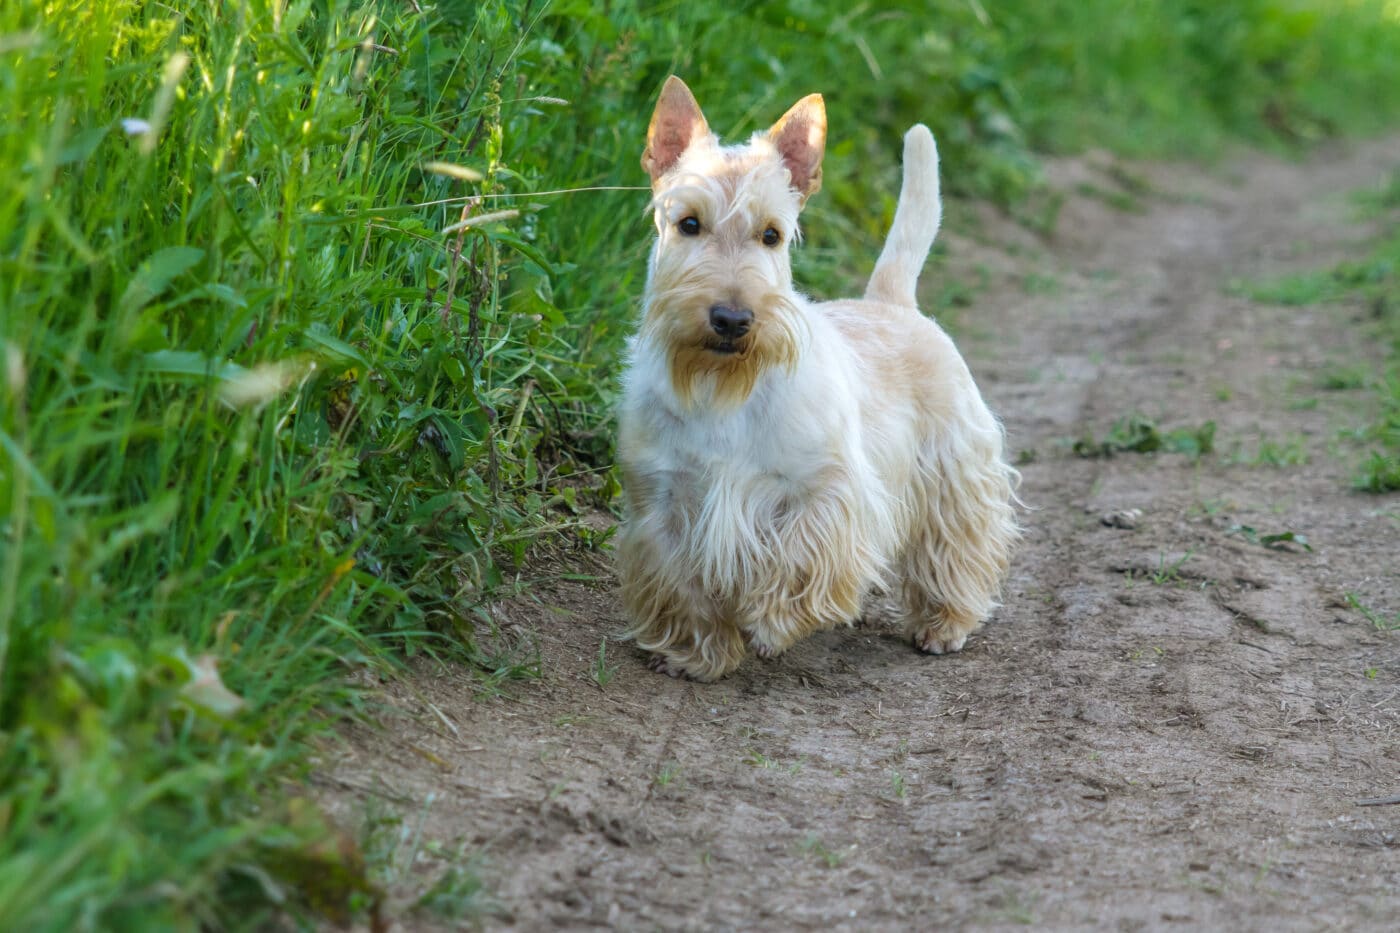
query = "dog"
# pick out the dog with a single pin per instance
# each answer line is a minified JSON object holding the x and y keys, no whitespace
{"x":783,"y":459}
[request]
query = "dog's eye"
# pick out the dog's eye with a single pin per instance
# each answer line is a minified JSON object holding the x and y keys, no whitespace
{"x":689,"y":226}
{"x":771,"y":237}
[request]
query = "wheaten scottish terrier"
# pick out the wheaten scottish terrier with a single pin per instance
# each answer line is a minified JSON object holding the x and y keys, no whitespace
{"x":782,"y":458}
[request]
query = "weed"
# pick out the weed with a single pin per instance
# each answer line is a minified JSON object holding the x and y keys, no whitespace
{"x":603,"y":672}
{"x":1274,"y":453}
{"x":1295,"y":290}
{"x":1278,"y":541}
{"x":1379,"y":620}
{"x":759,"y":760}
{"x":668,"y":774}
{"x":811,"y":845}
{"x":1380,"y":472}
{"x":1344,"y":378}
{"x":1037,"y":284}
{"x":569,"y":720}
{"x":1169,"y":573}
{"x":458,"y":893}
{"x":1139,"y":434}
{"x":1017,"y":908}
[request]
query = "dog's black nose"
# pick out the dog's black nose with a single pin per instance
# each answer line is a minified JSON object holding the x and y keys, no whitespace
{"x":729,"y":322}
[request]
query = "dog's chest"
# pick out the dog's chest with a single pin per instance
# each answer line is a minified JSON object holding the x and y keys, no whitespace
{"x":735,"y":456}
{"x":740,"y":465}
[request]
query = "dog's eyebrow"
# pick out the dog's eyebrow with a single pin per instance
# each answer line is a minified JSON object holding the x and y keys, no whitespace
{"x":697,"y":198}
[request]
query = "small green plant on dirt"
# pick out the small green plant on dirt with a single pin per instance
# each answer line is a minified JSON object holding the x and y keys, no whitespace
{"x":395,"y":851}
{"x":667,"y":775}
{"x":1295,"y":290}
{"x":897,"y":786}
{"x":1016,"y":907}
{"x":1169,"y":573}
{"x":757,"y":759}
{"x":812,"y":846}
{"x":503,"y":661}
{"x":1382,"y":621}
{"x":1036,"y":283}
{"x":1140,"y":434}
{"x":458,"y":893}
{"x":1277,"y":541}
{"x":1372,"y":673}
{"x":569,"y":720}
{"x":1379,"y":473}
{"x":602,"y":672}
{"x":1290,"y":451}
{"x":1344,"y":378}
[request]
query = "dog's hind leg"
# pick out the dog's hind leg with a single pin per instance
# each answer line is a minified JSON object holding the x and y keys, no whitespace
{"x":955,"y":559}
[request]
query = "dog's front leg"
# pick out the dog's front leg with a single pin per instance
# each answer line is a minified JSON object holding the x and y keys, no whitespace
{"x":685,"y":629}
{"x":822,"y":563}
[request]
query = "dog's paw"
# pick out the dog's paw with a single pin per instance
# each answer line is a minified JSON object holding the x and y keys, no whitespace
{"x":662,"y":665}
{"x":766,"y":651}
{"x":760,"y":647}
{"x":939,"y":638}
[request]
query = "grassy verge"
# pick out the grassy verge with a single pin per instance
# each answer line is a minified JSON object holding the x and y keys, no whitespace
{"x":1372,"y":285}
{"x":264,"y":421}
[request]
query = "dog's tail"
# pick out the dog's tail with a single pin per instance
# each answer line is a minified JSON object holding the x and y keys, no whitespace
{"x":916,"y":220}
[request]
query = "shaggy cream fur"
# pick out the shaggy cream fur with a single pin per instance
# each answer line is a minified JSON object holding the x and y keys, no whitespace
{"x":775,"y":478}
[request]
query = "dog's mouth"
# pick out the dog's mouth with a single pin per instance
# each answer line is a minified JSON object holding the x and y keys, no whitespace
{"x":726,"y":347}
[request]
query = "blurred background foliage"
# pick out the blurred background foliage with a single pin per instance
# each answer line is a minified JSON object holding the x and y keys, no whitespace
{"x":265,"y":424}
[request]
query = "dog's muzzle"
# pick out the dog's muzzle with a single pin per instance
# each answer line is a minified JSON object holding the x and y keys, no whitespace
{"x":730,"y":323}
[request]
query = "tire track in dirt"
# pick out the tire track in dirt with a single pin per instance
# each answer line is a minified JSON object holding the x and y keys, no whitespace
{"x":1165,"y":725}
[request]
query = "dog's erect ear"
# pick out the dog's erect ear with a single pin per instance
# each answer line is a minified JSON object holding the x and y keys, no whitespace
{"x":800,"y":137}
{"x":675,"y":124}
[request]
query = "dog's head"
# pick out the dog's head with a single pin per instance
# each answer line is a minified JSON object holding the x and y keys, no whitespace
{"x":719,"y":290}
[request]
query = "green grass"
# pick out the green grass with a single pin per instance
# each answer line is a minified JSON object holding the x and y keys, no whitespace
{"x":601,"y":671}
{"x":812,"y":846}
{"x":1137,"y":433}
{"x":1372,"y":285}
{"x":264,"y":424}
{"x":1382,"y":621}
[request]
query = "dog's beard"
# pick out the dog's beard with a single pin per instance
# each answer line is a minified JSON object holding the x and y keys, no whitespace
{"x":720,"y":372}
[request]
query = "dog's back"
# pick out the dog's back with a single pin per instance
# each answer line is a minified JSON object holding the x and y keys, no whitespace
{"x":916,"y":220}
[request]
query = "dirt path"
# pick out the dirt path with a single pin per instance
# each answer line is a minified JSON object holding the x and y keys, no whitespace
{"x":1166,"y":726}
